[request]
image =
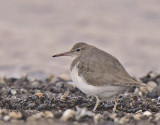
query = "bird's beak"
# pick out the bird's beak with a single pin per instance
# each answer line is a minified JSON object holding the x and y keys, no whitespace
{"x":63,"y":54}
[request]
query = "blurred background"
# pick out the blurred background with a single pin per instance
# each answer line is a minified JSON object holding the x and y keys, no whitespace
{"x":32,"y":31}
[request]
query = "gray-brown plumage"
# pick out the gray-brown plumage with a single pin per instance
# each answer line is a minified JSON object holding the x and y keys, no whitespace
{"x":98,"y":73}
{"x":100,"y":68}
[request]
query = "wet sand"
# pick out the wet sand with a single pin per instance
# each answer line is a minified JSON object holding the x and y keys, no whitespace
{"x":32,"y":31}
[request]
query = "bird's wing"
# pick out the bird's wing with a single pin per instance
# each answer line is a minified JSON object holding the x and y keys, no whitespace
{"x":110,"y":72}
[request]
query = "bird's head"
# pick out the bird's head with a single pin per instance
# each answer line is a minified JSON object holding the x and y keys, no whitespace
{"x":77,"y":50}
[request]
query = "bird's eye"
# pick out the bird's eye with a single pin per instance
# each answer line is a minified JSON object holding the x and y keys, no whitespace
{"x":77,"y":50}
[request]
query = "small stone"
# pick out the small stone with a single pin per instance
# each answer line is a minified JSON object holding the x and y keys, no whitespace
{"x":35,"y":116}
{"x":3,"y":80}
{"x":6,"y":118}
{"x":70,"y":84}
{"x":22,"y":90}
{"x":147,"y":113}
{"x":123,"y":120}
{"x":65,"y":77}
{"x":153,"y":74}
{"x":137,"y":92}
{"x":3,"y":89}
{"x":90,"y":114}
{"x":13,"y":91}
{"x":31,"y":105}
{"x":155,"y":92}
{"x":35,"y":83}
{"x":157,"y":117}
{"x":39,"y":94}
{"x":153,"y":100}
{"x":151,"y":85}
{"x":113,"y":115}
{"x":137,"y":116}
{"x":66,"y":93}
{"x":63,"y":98}
{"x":139,"y":111}
{"x":16,"y":115}
{"x":48,"y":114}
{"x":69,"y":113}
{"x":52,"y":79}
{"x":81,"y":112}
{"x":116,"y":120}
{"x":158,"y":80}
{"x":24,"y":76}
{"x":97,"y":118}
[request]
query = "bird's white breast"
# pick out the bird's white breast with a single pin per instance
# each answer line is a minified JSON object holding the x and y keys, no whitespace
{"x":101,"y":91}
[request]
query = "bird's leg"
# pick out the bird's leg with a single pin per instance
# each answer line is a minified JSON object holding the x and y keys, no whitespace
{"x":115,"y":105}
{"x":97,"y":103}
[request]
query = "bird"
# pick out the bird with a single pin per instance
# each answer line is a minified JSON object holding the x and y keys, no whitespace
{"x":98,"y":73}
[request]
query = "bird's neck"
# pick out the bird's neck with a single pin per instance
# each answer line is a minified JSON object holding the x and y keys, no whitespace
{"x":74,"y":62}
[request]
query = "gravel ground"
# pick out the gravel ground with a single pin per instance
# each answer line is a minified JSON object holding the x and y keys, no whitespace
{"x":55,"y":100}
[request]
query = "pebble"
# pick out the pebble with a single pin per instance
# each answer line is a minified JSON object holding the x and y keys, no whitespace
{"x":6,"y":118}
{"x":13,"y":91}
{"x":139,"y":111}
{"x":23,"y":91}
{"x":52,"y":79}
{"x":116,"y":120}
{"x":137,"y":116}
{"x":35,"y":116}
{"x":153,"y":100}
{"x":153,"y":74}
{"x":31,"y":105}
{"x":24,"y":76}
{"x":155,"y":92}
{"x":48,"y":114}
{"x":39,"y":94}
{"x":3,"y":89}
{"x":3,"y":80}
{"x":151,"y":85}
{"x":113,"y":115}
{"x":65,"y":77}
{"x":137,"y":92}
{"x":158,"y":80}
{"x":123,"y":120}
{"x":81,"y":112}
{"x":69,"y":113}
{"x":157,"y":117}
{"x":70,"y":84}
{"x":16,"y":115}
{"x":97,"y":118}
{"x":63,"y":98}
{"x":147,"y":113}
{"x":35,"y":83}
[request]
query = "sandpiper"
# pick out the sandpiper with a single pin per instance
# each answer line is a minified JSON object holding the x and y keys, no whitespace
{"x":97,"y":73}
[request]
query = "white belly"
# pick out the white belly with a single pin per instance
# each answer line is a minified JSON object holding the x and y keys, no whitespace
{"x":103,"y":92}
